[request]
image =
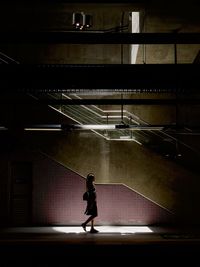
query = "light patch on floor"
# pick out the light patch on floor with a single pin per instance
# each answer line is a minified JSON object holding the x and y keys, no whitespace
{"x":106,"y":229}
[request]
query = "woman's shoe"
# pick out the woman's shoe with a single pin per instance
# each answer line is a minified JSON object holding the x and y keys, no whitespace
{"x":84,"y":227}
{"x":93,"y":231}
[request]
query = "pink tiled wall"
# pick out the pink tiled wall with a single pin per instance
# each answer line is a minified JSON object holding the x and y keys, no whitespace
{"x":57,"y":199}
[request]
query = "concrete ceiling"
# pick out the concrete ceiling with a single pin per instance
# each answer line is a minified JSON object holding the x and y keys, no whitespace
{"x":57,"y":16}
{"x":155,"y":17}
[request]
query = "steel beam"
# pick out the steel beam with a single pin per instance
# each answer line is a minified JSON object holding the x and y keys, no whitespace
{"x":115,"y":78}
{"x":51,"y":37}
{"x":124,"y":101}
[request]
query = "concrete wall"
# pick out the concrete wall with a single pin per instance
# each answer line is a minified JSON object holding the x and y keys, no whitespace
{"x":162,"y":181}
{"x":4,"y":189}
{"x":57,"y":199}
{"x":51,"y":194}
{"x":157,"y":178}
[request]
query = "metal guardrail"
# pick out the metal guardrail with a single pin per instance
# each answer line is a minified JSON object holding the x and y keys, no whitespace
{"x":5,"y":59}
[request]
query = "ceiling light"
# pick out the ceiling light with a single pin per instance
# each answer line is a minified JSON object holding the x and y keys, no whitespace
{"x":88,"y":21}
{"x":78,"y":20}
{"x":95,"y":127}
{"x":81,"y":20}
{"x":3,"y":128}
{"x":44,"y":127}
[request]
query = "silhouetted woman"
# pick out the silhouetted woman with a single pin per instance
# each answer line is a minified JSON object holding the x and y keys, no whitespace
{"x":91,"y":208}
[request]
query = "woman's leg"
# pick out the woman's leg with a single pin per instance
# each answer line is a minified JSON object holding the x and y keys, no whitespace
{"x":92,"y":224}
{"x":92,"y":229}
{"x":87,"y":221}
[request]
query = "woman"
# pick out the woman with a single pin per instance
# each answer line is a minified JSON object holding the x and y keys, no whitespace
{"x":91,"y":208}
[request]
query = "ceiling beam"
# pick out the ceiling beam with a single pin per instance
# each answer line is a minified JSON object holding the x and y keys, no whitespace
{"x":129,"y":101}
{"x":98,"y":78}
{"x":91,"y":37}
{"x":104,"y":101}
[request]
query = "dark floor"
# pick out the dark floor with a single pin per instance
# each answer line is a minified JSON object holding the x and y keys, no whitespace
{"x":112,"y":246}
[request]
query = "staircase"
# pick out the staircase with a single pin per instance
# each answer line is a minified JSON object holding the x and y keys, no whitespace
{"x":159,"y":141}
{"x":90,"y":115}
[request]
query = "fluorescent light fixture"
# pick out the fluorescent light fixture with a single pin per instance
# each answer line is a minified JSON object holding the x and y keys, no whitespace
{"x":42,"y":129}
{"x":95,"y":126}
{"x":3,"y":128}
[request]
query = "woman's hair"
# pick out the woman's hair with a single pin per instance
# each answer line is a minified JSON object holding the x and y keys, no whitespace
{"x":89,"y":181}
{"x":90,"y":177}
